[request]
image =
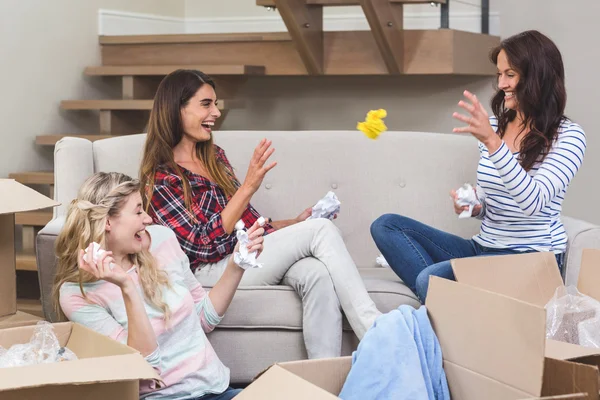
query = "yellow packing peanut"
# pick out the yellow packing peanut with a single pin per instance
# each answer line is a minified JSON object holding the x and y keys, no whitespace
{"x":373,"y":125}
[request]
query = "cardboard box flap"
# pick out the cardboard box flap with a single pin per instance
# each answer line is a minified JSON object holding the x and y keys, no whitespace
{"x":84,"y":371}
{"x":566,"y":378}
{"x":589,"y":274}
{"x":81,"y":338}
{"x":493,"y":335}
{"x":278,"y":383}
{"x":567,"y":351}
{"x":531,"y":277}
{"x":465,"y":384}
{"x":11,"y":336}
{"x":327,"y":373}
{"x":574,"y":396}
{"x":18,"y":319}
{"x":16,"y":198}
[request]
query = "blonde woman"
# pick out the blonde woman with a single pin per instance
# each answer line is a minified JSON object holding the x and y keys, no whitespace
{"x":141,"y":290}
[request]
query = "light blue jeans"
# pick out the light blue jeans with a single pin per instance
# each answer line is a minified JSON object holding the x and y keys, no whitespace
{"x":416,"y":251}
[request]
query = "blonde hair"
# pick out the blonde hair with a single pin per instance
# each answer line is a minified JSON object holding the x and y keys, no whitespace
{"x":102,"y":195}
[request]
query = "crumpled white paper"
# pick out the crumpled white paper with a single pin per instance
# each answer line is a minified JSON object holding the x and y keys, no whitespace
{"x":466,"y":197}
{"x":327,"y":207}
{"x":96,"y":254}
{"x":380,"y":260}
{"x":243,"y":258}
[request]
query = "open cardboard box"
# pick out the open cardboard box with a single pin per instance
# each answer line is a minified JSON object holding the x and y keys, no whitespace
{"x":494,"y":347}
{"x":491,"y":324}
{"x":106,"y":369}
{"x":15,"y":198}
{"x":532,"y":278}
{"x":492,"y":329}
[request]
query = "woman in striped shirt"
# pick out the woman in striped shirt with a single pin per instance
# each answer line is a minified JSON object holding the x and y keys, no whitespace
{"x":529,"y":153}
{"x":141,"y":291}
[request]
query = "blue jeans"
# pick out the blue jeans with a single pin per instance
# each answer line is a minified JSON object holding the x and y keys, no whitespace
{"x":228,"y":394}
{"x":416,"y":251}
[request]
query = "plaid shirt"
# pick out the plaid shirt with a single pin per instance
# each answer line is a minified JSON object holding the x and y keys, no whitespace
{"x":203,"y":240}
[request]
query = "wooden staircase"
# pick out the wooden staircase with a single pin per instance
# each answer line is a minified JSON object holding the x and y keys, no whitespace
{"x":140,"y":62}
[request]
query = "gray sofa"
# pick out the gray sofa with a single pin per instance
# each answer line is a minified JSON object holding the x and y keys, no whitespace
{"x":402,"y":172}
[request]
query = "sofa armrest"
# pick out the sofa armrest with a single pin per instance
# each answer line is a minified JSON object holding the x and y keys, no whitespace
{"x":582,"y":235}
{"x":46,"y":263}
{"x":73,"y":164}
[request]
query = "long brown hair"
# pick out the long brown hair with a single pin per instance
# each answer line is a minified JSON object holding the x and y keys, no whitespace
{"x":541,"y":94}
{"x":165,"y":131}
{"x":102,"y":195}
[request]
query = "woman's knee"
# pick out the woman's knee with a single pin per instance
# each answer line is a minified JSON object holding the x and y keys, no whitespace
{"x":442,"y":270}
{"x":422,"y":285}
{"x":325,"y":225}
{"x":386,"y":223}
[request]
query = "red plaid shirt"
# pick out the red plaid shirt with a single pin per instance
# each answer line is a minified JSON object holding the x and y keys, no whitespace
{"x":204,"y":241}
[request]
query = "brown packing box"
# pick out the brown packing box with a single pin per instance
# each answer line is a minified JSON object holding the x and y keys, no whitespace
{"x":14,"y":198}
{"x":491,"y":326}
{"x":106,"y":369}
{"x":532,"y":278}
{"x":494,"y":347}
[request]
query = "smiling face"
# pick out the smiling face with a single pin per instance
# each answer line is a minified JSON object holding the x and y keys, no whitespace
{"x":198,"y":116}
{"x":508,"y":79}
{"x":124,"y":231}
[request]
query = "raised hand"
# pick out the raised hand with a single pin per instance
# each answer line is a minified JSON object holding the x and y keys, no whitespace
{"x":257,"y":168}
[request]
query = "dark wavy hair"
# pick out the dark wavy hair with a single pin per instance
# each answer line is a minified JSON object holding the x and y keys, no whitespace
{"x":541,"y":94}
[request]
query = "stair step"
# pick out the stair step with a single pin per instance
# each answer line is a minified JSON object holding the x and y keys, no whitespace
{"x":271,"y":3}
{"x":50,"y":140}
{"x":106,"y":104}
{"x":129,"y":104}
{"x":33,"y":218}
{"x":193,"y":38}
{"x":26,"y":262}
{"x":162,"y":70}
{"x":30,"y":306}
{"x":33,"y":178}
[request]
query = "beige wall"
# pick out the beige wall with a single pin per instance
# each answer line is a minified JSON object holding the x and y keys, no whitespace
{"x":45,"y":45}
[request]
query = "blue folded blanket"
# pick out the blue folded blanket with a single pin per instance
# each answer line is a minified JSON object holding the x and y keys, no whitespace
{"x":399,"y":358}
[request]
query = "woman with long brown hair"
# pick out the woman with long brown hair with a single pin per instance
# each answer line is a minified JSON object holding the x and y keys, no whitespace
{"x":529,"y":153}
{"x":190,"y":187}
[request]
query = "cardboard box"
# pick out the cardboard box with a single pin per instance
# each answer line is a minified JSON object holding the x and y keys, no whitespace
{"x":18,"y":319}
{"x":491,"y":324}
{"x":14,"y":198}
{"x":106,"y":369}
{"x":494,"y":347}
{"x":532,"y":278}
{"x":320,"y":379}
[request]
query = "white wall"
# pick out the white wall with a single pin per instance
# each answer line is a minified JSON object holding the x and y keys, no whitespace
{"x":44,"y":47}
{"x":248,"y":8}
{"x":245,"y":16}
{"x":573,"y":29}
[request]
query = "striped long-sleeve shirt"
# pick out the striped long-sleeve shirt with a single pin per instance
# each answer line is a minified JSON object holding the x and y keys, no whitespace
{"x":522,"y":209}
{"x":185,"y":359}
